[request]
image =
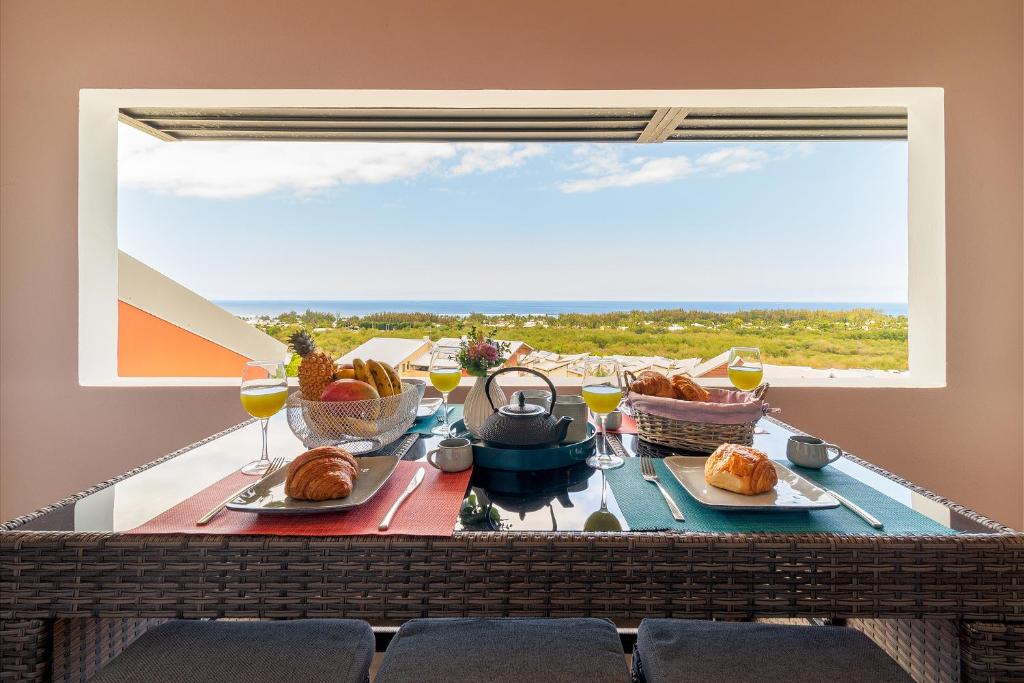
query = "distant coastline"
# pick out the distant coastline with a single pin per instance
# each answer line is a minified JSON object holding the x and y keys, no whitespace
{"x":253,"y":308}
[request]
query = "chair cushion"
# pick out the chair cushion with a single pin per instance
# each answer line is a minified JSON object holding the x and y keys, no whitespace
{"x":500,"y":650}
{"x":336,"y":650}
{"x":679,"y":651}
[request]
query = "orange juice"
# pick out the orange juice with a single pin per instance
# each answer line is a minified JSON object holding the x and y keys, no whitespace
{"x":262,"y":402}
{"x":745,"y":378}
{"x":602,"y":399}
{"x":445,"y":379}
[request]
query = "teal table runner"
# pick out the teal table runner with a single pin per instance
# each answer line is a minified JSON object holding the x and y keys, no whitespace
{"x":645,"y":510}
{"x":425,"y":426}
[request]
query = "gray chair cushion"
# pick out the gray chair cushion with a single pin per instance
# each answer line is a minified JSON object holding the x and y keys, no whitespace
{"x":336,"y":650}
{"x":679,"y":651}
{"x":500,"y":650}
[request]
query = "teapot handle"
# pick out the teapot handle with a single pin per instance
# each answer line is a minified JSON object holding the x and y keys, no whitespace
{"x":487,"y":385}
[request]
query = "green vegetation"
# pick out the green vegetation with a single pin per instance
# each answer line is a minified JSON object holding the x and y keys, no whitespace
{"x":820,"y":339}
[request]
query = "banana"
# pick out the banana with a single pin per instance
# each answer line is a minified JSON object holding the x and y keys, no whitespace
{"x":344,"y":373}
{"x":362,"y":372}
{"x":380,"y":378}
{"x":396,"y":381}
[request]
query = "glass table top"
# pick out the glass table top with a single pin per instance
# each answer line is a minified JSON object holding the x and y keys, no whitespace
{"x":556,"y":500}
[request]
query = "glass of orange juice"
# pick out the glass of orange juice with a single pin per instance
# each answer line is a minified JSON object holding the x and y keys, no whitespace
{"x":602,"y":390}
{"x":445,"y":374}
{"x":263,"y":393}
{"x":745,"y":368}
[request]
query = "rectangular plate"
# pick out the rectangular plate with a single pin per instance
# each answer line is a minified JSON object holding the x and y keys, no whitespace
{"x":793,"y":492}
{"x":267,"y":498}
{"x":427,"y":408}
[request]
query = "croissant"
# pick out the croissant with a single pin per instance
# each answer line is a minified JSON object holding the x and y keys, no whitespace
{"x":688,"y":390}
{"x":651,"y":383}
{"x":740,"y":469}
{"x":322,"y":474}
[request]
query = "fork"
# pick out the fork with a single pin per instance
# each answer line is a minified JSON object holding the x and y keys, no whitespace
{"x":275,"y":465}
{"x":648,"y":473}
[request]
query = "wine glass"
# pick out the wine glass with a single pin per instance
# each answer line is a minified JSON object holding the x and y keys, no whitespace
{"x":602,"y":390}
{"x":263,"y":393}
{"x":445,"y":373}
{"x":745,"y":369}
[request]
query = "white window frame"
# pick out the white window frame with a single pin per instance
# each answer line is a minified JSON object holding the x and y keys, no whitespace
{"x":97,"y":196}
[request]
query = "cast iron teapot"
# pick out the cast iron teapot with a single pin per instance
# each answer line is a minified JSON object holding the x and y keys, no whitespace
{"x":523,"y":425}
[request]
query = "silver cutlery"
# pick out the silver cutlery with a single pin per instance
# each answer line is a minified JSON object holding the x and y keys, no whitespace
{"x":648,"y":473}
{"x":417,"y":479}
{"x":275,"y":465}
{"x":857,"y":510}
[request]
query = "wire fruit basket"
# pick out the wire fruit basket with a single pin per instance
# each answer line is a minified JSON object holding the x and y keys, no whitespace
{"x":359,"y":426}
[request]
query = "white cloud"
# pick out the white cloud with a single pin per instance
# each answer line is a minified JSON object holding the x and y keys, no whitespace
{"x":605,"y":167}
{"x":231,"y":170}
{"x":638,"y":172}
{"x":484,"y":157}
{"x":734,"y":160}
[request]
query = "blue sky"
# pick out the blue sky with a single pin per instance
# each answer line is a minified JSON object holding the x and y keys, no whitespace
{"x":819,"y":221}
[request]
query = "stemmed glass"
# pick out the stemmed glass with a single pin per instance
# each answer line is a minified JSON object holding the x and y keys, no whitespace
{"x":445,"y":373}
{"x":263,"y":393}
{"x":745,"y":368}
{"x":602,"y":390}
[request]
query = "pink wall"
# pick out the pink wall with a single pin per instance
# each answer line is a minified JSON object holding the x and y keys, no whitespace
{"x":964,"y":441}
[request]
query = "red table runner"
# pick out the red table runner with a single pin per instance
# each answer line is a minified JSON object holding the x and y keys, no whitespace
{"x":430,"y":511}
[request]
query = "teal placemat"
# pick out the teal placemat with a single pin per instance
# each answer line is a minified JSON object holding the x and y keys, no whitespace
{"x":645,"y":509}
{"x":425,"y":426}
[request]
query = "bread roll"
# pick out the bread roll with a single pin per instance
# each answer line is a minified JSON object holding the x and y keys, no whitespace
{"x":651,"y":383}
{"x":741,"y":469}
{"x":323,"y":473}
{"x":687,"y":389}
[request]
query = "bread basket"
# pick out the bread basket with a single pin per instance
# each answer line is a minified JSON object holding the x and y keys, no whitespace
{"x":359,"y":426}
{"x":739,"y":411}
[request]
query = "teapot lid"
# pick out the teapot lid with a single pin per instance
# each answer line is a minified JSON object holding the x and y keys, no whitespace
{"x":523,"y":409}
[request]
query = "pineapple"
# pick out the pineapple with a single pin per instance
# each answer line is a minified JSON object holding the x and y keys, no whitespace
{"x":316,"y":370}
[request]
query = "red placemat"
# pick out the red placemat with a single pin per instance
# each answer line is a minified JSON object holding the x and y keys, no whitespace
{"x":430,"y":511}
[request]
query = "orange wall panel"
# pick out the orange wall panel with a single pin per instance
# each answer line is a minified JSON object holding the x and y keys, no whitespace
{"x":148,"y":346}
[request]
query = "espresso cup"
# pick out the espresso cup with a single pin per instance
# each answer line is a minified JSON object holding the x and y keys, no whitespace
{"x":537,"y":397}
{"x":812,"y":452}
{"x":575,"y":407}
{"x":613,"y":420}
{"x":452,"y":455}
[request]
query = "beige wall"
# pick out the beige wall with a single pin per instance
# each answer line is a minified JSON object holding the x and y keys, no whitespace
{"x":964,"y":441}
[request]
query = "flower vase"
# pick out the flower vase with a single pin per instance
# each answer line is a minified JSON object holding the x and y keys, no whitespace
{"x":477,"y":408}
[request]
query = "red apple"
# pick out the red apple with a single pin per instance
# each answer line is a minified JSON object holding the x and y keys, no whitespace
{"x":348,"y":390}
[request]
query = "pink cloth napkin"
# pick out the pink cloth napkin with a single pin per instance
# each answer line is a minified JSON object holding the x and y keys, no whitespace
{"x":724,"y":407}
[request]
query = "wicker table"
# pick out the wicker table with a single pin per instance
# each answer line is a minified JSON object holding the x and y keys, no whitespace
{"x":75,"y":590}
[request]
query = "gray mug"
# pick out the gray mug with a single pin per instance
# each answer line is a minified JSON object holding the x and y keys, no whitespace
{"x":536,"y":397}
{"x":812,"y":452}
{"x":613,"y":420}
{"x":452,"y":455}
{"x":571,"y":405}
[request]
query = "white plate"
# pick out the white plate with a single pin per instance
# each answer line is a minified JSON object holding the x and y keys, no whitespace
{"x":793,"y":492}
{"x":268,"y":496}
{"x":427,"y":408}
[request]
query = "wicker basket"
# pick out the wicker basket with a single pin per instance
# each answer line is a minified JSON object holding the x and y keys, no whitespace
{"x":361,"y":426}
{"x":700,"y":437}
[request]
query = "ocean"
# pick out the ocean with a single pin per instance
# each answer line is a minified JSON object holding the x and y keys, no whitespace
{"x":367,"y":307}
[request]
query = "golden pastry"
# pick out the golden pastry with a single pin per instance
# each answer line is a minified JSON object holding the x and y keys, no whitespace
{"x":651,"y":383}
{"x":323,"y":473}
{"x":740,"y":469}
{"x":688,"y":390}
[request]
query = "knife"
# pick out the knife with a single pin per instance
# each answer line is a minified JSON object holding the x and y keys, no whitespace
{"x":857,"y":510}
{"x":417,"y":479}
